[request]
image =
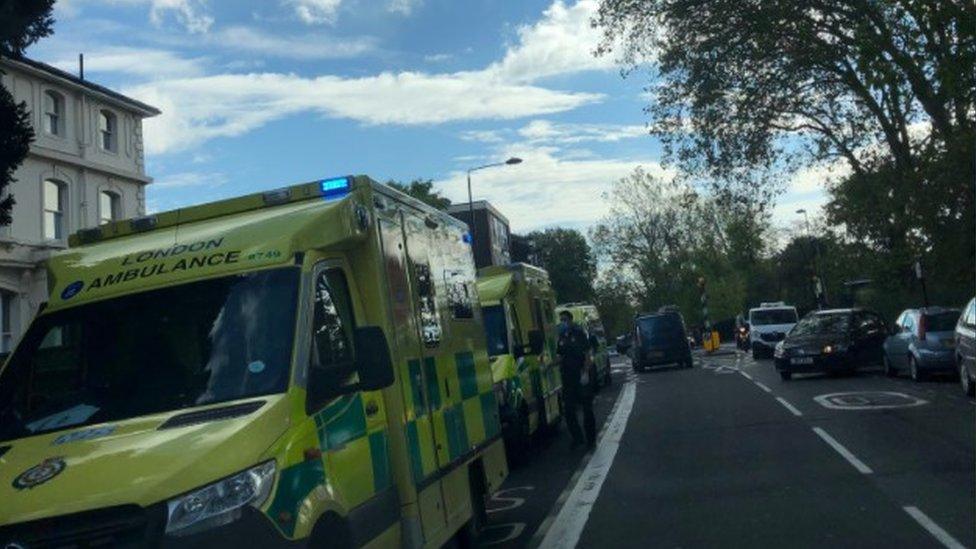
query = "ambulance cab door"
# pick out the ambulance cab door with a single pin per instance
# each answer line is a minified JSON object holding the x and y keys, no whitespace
{"x":419,"y":388}
{"x":350,"y":423}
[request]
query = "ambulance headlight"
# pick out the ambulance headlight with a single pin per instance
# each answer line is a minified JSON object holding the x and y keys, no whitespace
{"x":221,"y":502}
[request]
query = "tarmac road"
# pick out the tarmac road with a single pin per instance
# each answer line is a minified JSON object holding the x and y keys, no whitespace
{"x":728,"y":455}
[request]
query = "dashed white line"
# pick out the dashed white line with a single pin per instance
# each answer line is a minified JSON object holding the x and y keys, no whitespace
{"x":745,"y":375}
{"x":844,"y":452}
{"x":789,"y":406}
{"x":763,"y":386}
{"x":937,"y":532}
{"x":568,"y":525}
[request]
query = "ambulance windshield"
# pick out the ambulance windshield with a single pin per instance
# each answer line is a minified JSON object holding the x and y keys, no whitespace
{"x":189,"y":345}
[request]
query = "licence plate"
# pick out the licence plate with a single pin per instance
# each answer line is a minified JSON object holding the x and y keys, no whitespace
{"x":802,"y":360}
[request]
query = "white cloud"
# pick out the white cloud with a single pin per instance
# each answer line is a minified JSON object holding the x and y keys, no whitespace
{"x":561,"y":42}
{"x":309,"y":46}
{"x":438,"y":57}
{"x":143,"y":62}
{"x":316,"y":12}
{"x":547,"y":188}
{"x":549,"y":132}
{"x":198,"y":109}
{"x":818,"y":176}
{"x":189,"y":179}
{"x":403,"y":7}
{"x":189,"y":13}
{"x":221,"y":105}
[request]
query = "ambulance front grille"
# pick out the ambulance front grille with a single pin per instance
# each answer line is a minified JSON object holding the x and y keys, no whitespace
{"x":124,"y":526}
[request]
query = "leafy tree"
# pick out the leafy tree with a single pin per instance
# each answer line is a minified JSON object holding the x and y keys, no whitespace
{"x":21,"y":24}
{"x":423,"y":190}
{"x":664,"y":236}
{"x":569,"y":260}
{"x":614,"y":298}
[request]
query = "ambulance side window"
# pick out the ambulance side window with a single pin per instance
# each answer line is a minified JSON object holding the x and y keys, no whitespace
{"x":332,"y":367}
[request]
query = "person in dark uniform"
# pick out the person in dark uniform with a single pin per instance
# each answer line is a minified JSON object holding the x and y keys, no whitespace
{"x":573,"y":354}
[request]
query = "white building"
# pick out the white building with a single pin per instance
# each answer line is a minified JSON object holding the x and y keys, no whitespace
{"x":84,"y":168}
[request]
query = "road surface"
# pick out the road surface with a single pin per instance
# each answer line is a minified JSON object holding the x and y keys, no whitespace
{"x":727,"y":454}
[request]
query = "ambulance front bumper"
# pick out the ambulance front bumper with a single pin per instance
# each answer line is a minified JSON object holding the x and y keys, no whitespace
{"x":133,"y":526}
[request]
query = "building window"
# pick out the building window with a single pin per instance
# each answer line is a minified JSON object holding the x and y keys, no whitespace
{"x":109,"y":207}
{"x":6,"y":332}
{"x":55,"y":198}
{"x":107,"y":130}
{"x":53,"y":113}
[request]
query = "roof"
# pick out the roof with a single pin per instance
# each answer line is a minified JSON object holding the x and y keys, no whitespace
{"x":493,"y":288}
{"x":496,"y":281}
{"x":32,"y":66}
{"x":478,"y":205}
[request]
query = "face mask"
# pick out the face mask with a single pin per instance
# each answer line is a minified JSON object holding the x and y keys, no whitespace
{"x":563,"y":326}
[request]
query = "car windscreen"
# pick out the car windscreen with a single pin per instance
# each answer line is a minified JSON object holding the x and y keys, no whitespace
{"x":941,"y":322}
{"x":766,"y":317}
{"x":189,"y":345}
{"x":829,"y":323}
{"x":496,"y":330}
{"x":660,"y":328}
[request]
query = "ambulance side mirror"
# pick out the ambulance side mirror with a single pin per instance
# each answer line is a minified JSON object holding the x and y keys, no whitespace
{"x":373,"y":361}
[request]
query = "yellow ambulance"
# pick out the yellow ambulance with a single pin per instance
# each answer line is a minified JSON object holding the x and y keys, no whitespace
{"x":301,"y":367}
{"x":518,"y":305}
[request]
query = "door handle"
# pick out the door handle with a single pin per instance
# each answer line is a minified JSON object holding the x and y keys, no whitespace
{"x":372,"y":408}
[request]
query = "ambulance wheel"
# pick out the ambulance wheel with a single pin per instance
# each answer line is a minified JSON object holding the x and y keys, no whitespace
{"x":331,"y":531}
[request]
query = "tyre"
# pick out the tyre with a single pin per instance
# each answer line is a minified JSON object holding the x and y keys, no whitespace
{"x":966,"y":382}
{"x":889,"y":370}
{"x":331,"y":531}
{"x":786,"y":376}
{"x":916,"y":374}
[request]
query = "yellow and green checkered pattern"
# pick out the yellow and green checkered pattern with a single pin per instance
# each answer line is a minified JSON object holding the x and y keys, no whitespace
{"x":450,"y":407}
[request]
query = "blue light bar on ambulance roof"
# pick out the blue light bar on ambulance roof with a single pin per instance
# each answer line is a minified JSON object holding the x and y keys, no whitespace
{"x":336,"y":187}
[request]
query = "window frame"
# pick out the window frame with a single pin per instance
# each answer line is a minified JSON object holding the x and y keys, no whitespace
{"x":115,"y":206}
{"x":60,"y":215}
{"x":313,"y":402}
{"x":54,"y":105}
{"x":110,"y":129}
{"x":7,"y":298}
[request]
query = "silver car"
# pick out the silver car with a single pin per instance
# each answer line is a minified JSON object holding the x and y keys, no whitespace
{"x":966,"y":349}
{"x":922,"y":343}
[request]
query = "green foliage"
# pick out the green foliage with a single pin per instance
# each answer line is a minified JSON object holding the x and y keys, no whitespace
{"x":423,"y":190}
{"x":662,"y":236}
{"x":21,"y":24}
{"x":569,"y":260}
{"x":614,"y":299}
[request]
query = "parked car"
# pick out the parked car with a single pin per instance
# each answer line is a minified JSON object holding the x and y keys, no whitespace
{"x":660,"y":338}
{"x":922,"y":343}
{"x":966,"y":348}
{"x":768,"y":325}
{"x":831,"y":341}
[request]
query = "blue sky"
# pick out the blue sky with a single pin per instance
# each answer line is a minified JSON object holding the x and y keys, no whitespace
{"x":256,"y":95}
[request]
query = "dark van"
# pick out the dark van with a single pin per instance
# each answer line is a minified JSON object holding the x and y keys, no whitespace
{"x":660,"y":338}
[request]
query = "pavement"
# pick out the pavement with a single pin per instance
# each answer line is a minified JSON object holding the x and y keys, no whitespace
{"x":727,"y":454}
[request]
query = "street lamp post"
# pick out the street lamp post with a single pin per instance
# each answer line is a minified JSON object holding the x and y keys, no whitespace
{"x":510,"y":162}
{"x":819,"y":291}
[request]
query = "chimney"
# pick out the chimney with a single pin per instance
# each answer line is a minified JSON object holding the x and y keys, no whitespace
{"x":81,"y":66}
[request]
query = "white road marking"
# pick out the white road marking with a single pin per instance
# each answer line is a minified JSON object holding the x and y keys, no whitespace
{"x":566,"y":529}
{"x":510,"y":502}
{"x":937,"y":532}
{"x":851,"y":458}
{"x":859,"y":400}
{"x":763,"y":386}
{"x":745,"y":375}
{"x":789,"y":406}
